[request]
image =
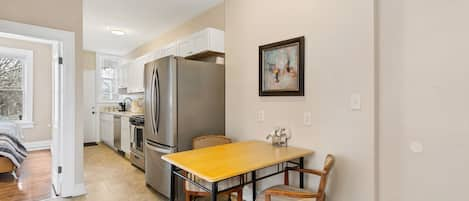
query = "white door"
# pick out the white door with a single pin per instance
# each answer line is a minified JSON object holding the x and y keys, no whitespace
{"x":89,"y":102}
{"x":57,"y":104}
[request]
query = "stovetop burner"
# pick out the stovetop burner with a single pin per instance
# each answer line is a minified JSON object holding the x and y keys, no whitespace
{"x":137,"y":120}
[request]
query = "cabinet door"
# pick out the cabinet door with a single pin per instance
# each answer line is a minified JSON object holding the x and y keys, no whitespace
{"x":135,"y":77}
{"x":122,"y":75}
{"x":107,"y":129}
{"x":139,"y":70}
{"x":186,"y":47}
{"x":201,"y":42}
{"x":125,"y":135}
{"x":131,"y":77}
{"x":171,"y":49}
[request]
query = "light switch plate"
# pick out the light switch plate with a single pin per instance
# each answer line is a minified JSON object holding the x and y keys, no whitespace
{"x":355,"y":102}
{"x":260,"y":116}
{"x":307,"y":121}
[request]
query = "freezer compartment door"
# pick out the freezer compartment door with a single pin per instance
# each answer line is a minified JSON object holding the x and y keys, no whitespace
{"x":158,"y":171}
{"x":161,"y":101}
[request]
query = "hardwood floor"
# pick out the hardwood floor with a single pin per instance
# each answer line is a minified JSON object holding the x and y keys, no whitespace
{"x":108,"y":177}
{"x":34,"y":183}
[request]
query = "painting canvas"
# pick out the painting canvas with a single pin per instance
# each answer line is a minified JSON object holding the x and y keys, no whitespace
{"x":281,"y":68}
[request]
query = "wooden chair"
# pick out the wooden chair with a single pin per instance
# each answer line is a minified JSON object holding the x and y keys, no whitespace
{"x":290,"y":193}
{"x":192,"y":190}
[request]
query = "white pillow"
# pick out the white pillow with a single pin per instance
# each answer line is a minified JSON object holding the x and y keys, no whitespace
{"x":10,"y":128}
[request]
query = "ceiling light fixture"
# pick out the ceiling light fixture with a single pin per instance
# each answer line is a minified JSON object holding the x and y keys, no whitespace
{"x":117,"y":32}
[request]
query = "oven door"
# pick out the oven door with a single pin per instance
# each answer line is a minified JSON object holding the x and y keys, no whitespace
{"x":137,"y":145}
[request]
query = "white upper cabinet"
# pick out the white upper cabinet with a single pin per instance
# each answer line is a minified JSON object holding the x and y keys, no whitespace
{"x":171,"y":49}
{"x":135,"y":75}
{"x":122,"y":75}
{"x":209,"y":39}
{"x":154,"y":55}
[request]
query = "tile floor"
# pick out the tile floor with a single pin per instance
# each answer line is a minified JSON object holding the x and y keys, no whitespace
{"x":110,"y":177}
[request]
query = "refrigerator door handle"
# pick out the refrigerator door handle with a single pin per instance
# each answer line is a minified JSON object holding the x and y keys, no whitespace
{"x":158,"y":149}
{"x":152,"y":105}
{"x":156,"y":111}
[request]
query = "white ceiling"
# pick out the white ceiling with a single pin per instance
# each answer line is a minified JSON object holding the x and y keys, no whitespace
{"x":142,"y":20}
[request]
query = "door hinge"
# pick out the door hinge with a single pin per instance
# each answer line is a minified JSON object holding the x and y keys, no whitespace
{"x":61,"y":60}
{"x":59,"y":169}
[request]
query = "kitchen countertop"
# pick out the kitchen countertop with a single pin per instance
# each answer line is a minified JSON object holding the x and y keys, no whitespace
{"x":125,"y":114}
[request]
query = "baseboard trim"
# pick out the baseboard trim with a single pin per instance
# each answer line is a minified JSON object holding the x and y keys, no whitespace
{"x":38,"y":145}
{"x":80,"y":189}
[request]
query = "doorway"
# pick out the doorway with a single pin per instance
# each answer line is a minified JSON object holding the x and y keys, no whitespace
{"x":67,"y":160}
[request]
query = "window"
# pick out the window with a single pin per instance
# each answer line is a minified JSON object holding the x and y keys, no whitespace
{"x":107,"y":78}
{"x":16,"y":84}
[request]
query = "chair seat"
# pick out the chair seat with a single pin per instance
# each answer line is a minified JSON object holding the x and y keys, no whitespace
{"x":225,"y":184}
{"x":261,"y":196}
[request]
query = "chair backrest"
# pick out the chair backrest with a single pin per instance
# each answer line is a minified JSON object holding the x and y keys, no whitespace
{"x":209,"y":140}
{"x":328,"y":164}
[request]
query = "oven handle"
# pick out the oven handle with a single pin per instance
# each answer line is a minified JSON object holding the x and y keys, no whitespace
{"x":132,"y":135}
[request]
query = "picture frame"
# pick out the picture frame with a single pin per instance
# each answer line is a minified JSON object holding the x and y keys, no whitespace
{"x":281,"y":68}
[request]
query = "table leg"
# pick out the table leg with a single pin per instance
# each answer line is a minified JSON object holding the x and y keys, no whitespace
{"x":214,"y":191}
{"x":172,"y":195}
{"x":253,"y":178}
{"x":301,"y":173}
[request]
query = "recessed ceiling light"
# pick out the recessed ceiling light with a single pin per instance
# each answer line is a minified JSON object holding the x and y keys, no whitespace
{"x":117,"y":32}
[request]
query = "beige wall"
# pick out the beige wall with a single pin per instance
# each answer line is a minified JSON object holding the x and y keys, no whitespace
{"x":57,"y":14}
{"x":214,"y":17}
{"x":42,"y":87}
{"x":339,"y":62}
{"x":424,"y":85}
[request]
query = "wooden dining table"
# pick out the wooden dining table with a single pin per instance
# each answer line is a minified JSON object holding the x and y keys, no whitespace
{"x":240,"y":159}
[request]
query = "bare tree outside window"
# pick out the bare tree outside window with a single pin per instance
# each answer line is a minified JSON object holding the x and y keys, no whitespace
{"x":11,"y":88}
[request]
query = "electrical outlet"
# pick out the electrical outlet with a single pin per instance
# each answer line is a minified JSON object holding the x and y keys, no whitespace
{"x":416,"y":147}
{"x":355,"y":102}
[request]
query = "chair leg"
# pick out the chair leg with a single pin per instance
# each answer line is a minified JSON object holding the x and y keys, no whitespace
{"x":323,"y":197}
{"x":188,"y":196}
{"x":240,"y":195}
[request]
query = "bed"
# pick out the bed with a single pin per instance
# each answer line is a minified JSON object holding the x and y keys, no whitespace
{"x":10,"y":128}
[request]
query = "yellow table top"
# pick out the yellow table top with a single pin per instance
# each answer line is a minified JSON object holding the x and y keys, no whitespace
{"x":224,"y":161}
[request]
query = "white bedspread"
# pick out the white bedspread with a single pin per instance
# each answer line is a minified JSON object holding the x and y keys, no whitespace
{"x":11,"y":128}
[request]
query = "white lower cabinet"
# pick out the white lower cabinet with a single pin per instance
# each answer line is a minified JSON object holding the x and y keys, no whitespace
{"x":106,"y":128}
{"x":125,"y":135}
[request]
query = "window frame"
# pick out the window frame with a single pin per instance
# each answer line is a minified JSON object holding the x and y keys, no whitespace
{"x":27,"y":57}
{"x":100,"y":79}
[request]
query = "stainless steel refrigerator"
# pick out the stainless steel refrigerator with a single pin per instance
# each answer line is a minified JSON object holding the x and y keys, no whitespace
{"x":183,"y":99}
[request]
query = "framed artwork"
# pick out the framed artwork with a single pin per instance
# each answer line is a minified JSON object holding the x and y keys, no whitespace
{"x":281,"y":68}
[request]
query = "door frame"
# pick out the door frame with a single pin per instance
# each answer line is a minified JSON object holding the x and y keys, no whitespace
{"x":71,"y":141}
{"x":95,"y":115}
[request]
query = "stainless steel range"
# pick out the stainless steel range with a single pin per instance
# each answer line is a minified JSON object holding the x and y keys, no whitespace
{"x":137,"y":153}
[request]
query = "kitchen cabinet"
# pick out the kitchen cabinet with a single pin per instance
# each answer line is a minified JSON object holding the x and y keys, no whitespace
{"x":106,"y":128}
{"x":122,"y":75}
{"x":125,"y":135}
{"x":207,"y":40}
{"x":171,"y":49}
{"x":135,"y":76}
